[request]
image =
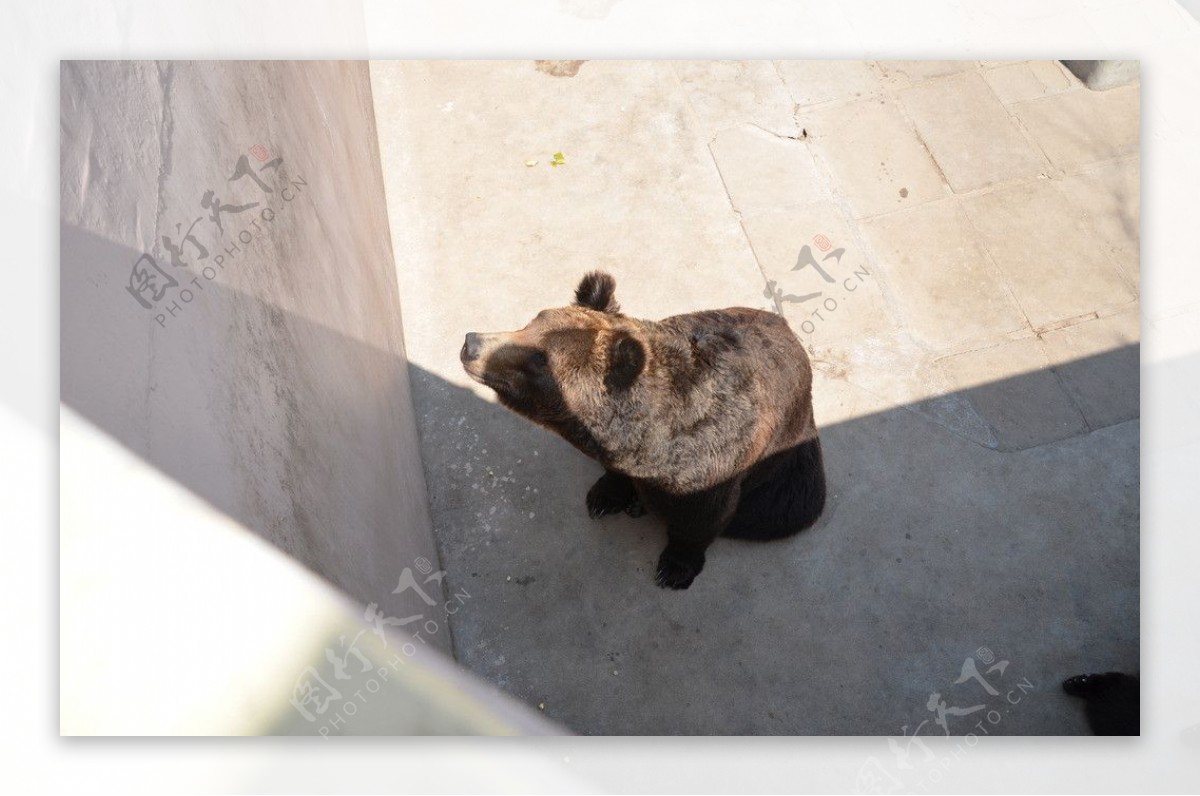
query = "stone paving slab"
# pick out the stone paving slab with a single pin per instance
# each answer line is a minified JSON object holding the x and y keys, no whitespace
{"x":817,"y":82}
{"x":1098,"y":366}
{"x":1108,"y":195}
{"x":1023,"y":412}
{"x":1080,"y":127}
{"x":1051,"y":258}
{"x":902,"y":74}
{"x":763,"y":171}
{"x":877,"y":162}
{"x":727,"y":93}
{"x":949,"y":291}
{"x":1027,"y":80}
{"x":969,"y":133}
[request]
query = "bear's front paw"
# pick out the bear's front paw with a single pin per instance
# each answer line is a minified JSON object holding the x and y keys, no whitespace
{"x":612,"y":494}
{"x":676,"y":572}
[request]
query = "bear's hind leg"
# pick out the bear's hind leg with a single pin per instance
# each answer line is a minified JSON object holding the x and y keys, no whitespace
{"x":613,"y":493}
{"x":790,"y":500}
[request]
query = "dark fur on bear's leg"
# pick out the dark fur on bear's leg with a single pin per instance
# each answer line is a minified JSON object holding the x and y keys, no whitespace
{"x":695,"y":520}
{"x":611,"y":494}
{"x":782,"y":495}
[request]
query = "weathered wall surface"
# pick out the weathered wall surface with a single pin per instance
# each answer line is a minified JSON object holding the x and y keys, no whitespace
{"x":230,"y":311}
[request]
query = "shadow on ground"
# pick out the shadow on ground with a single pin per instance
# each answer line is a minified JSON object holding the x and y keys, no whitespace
{"x":933,"y":548}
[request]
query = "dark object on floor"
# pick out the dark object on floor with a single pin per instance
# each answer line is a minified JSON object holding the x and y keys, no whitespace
{"x":1102,"y":75}
{"x":1113,"y":701}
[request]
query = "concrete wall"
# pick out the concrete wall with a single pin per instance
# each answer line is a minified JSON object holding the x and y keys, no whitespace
{"x":230,"y":311}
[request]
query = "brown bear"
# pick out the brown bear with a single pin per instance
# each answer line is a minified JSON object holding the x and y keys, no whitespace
{"x":703,"y":419}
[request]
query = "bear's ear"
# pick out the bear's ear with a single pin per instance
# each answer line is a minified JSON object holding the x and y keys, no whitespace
{"x":596,"y":291}
{"x":626,"y":359}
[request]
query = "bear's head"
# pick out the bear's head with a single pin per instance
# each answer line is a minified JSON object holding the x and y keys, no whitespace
{"x":569,"y":368}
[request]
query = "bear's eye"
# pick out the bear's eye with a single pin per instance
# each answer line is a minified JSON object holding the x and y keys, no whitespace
{"x":537,"y":362}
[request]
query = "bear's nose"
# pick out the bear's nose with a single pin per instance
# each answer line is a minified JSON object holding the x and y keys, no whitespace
{"x":471,"y":347}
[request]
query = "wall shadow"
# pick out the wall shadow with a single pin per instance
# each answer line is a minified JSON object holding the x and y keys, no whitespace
{"x":299,"y":433}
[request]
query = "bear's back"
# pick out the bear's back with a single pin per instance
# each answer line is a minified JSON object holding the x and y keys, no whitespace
{"x":756,"y":339}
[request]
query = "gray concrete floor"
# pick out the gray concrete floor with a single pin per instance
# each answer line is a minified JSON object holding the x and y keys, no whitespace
{"x":976,"y":355}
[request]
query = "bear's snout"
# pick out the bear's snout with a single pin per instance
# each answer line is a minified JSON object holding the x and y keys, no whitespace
{"x":472,"y":347}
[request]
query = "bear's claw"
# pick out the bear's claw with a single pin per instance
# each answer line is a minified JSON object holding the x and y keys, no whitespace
{"x":674,"y":573}
{"x":635,"y":509}
{"x":612,"y":494}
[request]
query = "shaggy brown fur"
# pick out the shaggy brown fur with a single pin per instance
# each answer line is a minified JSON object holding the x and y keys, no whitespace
{"x":705,"y":419}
